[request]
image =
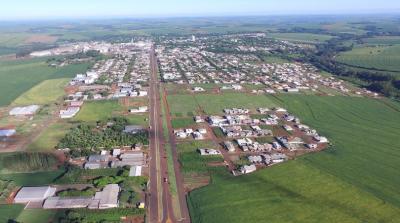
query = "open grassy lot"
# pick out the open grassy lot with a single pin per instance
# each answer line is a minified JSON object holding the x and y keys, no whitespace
{"x":49,"y":139}
{"x":354,"y":181}
{"x":33,"y":179}
{"x":16,"y":77}
{"x":373,"y":57}
{"x":10,"y":212}
{"x":182,"y":122}
{"x":46,"y":92}
{"x":98,"y":110}
{"x":36,"y":216}
{"x":301,"y":37}
{"x":187,"y":105}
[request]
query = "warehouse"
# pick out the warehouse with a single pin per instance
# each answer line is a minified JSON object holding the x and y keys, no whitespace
{"x":34,"y":194}
{"x":24,"y":111}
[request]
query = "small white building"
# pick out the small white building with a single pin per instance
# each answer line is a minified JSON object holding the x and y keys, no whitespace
{"x":248,"y":169}
{"x":135,"y":171}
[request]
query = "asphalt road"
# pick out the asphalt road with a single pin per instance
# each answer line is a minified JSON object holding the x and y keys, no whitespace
{"x":160,"y":202}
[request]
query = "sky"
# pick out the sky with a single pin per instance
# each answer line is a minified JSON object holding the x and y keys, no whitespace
{"x":54,"y":9}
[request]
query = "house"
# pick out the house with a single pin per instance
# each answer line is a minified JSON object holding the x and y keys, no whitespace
{"x":198,"y":119}
{"x":34,"y":194}
{"x":255,"y":159}
{"x":98,"y":158}
{"x":197,"y":135}
{"x":92,"y":165}
{"x":24,"y":111}
{"x":133,"y":129}
{"x":321,"y":139}
{"x":312,"y":146}
{"x":280,"y":110}
{"x":202,"y":131}
{"x":229,"y":146}
{"x":116,"y":152}
{"x":141,"y":109}
{"x":248,"y":169}
{"x":7,"y":132}
{"x":288,"y":128}
{"x":135,"y":171}
{"x":70,"y":112}
{"x":198,"y":89}
{"x":208,"y":152}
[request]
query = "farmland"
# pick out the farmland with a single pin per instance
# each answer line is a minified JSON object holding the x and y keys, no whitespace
{"x":187,"y":105}
{"x":385,"y":58}
{"x":354,"y":189}
{"x":46,"y":92}
{"x":17,"y":77}
{"x":301,"y":37}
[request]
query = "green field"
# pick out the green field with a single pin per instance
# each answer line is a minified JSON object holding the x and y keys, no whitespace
{"x":50,"y":137}
{"x":301,"y":37}
{"x":17,"y":77}
{"x":10,"y":212}
{"x":36,"y":216}
{"x":386,"y":58}
{"x":185,"y":105}
{"x":32,"y":179}
{"x":383,"y":40}
{"x":98,"y":110}
{"x":46,"y":92}
{"x":182,"y":123}
{"x":353,"y":181}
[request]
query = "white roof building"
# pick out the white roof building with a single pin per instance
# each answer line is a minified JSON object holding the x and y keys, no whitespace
{"x":34,"y":194}
{"x":135,"y":171}
{"x":28,"y":110}
{"x":108,"y":198}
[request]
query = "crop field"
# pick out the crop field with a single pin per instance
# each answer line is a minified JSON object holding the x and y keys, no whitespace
{"x":50,"y":137}
{"x":187,"y":105}
{"x":17,"y":77}
{"x":383,"y":40}
{"x":386,"y":58}
{"x":301,"y":37}
{"x":353,"y":181}
{"x":46,"y":92}
{"x":98,"y":110}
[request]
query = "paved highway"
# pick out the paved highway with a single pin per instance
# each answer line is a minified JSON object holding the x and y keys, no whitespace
{"x":160,"y":202}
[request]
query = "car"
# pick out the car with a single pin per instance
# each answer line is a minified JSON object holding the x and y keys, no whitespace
{"x":165,"y":180}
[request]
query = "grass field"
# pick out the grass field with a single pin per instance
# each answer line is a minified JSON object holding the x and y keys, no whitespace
{"x":375,"y":57}
{"x":17,"y":77}
{"x":98,"y":110}
{"x":185,"y":105}
{"x":46,"y":92}
{"x":36,"y":216}
{"x":10,"y":212}
{"x":301,"y":37}
{"x":49,"y":139}
{"x":32,"y":179}
{"x":182,"y":123}
{"x":354,"y":181}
